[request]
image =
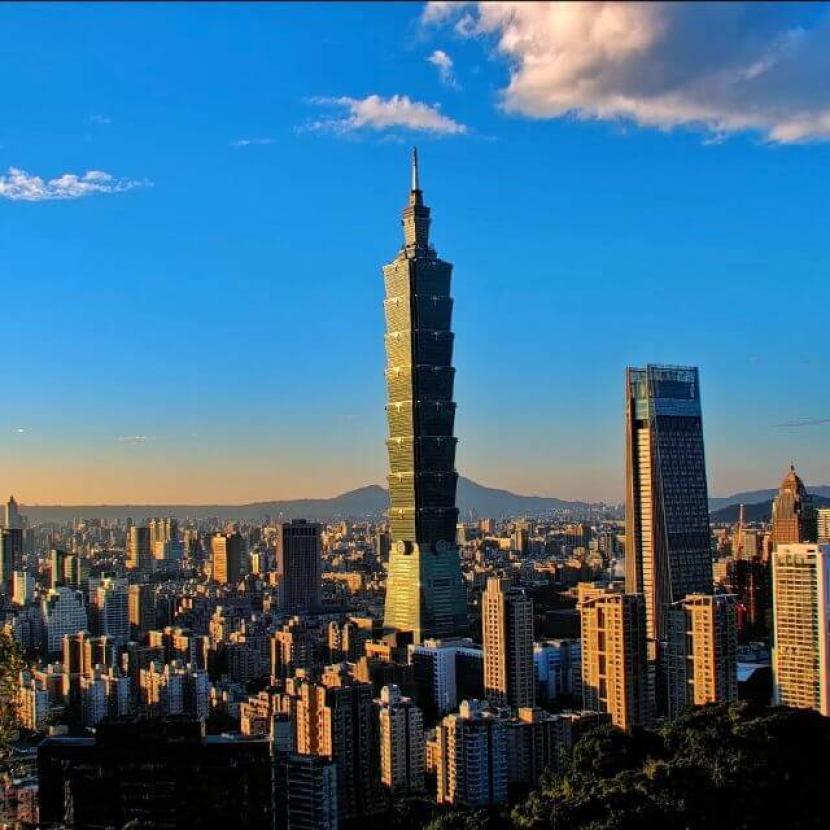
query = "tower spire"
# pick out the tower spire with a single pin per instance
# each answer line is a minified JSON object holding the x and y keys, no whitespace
{"x":416,"y":184}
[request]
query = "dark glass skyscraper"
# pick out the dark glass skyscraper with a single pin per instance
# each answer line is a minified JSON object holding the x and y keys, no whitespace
{"x":667,"y":534}
{"x":425,"y":593}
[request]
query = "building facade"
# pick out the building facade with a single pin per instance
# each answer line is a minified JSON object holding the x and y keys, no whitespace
{"x":425,"y":593}
{"x":801,"y":611}
{"x":507,"y":636}
{"x":299,"y":565}
{"x":794,"y":519}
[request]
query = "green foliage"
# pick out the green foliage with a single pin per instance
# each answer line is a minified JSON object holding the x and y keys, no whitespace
{"x":733,"y":767}
{"x":10,"y":665}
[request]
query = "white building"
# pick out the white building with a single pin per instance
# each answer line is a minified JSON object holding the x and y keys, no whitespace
{"x":801,"y":611}
{"x":23,"y":587}
{"x":401,"y":742}
{"x":438,"y":663}
{"x":558,"y":666}
{"x":112,"y":605}
{"x":63,"y":613}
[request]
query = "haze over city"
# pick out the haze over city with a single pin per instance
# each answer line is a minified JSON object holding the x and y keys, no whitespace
{"x":195,"y":203}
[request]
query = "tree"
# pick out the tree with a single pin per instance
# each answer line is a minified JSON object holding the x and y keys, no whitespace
{"x":10,"y":665}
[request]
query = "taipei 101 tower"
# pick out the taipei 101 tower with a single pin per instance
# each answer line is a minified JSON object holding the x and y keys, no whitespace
{"x":425,"y":593}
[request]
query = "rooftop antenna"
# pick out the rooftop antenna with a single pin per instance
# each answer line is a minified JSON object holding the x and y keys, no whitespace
{"x":416,"y":185}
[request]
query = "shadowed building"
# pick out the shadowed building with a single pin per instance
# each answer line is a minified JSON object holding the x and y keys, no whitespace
{"x":425,"y":593}
{"x":298,"y":565}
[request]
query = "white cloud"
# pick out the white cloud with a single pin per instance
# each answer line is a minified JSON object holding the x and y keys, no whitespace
{"x":376,"y":113}
{"x":102,"y":120}
{"x":251,"y":142}
{"x":135,"y":439}
{"x":726,"y":67}
{"x":20,"y":186}
{"x":443,"y":63}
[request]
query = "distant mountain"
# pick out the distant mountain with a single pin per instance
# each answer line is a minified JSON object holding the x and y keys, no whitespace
{"x":757,"y":512}
{"x":365,"y":502}
{"x":756,"y":496}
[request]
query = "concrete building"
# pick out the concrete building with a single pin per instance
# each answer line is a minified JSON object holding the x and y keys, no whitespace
{"x":801,"y":611}
{"x":507,"y":635}
{"x":401,"y":742}
{"x":299,"y":565}
{"x":142,"y":608}
{"x":702,"y":648}
{"x":445,"y":672}
{"x":823,"y":522}
{"x":472,"y":762}
{"x":558,"y":668}
{"x":110,"y":605}
{"x":614,"y":658}
{"x":139,"y":552}
{"x":306,"y":793}
{"x":64,"y":613}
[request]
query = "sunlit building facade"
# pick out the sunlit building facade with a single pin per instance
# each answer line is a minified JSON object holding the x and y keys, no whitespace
{"x":425,"y":593}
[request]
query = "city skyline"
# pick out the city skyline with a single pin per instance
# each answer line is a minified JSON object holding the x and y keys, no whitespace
{"x":638,"y":240}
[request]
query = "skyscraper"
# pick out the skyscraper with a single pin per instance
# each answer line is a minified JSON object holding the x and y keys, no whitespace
{"x":298,"y":565}
{"x":794,"y":518}
{"x":401,"y":742}
{"x":424,"y":593}
{"x":228,"y":550}
{"x":668,"y":549}
{"x":702,"y":651}
{"x":139,"y":552}
{"x":12,"y":515}
{"x":801,"y":611}
{"x":11,"y":555}
{"x":507,"y":635}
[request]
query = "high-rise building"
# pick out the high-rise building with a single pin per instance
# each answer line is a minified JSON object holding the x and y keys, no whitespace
{"x":110,"y":604}
{"x":334,"y":720}
{"x":401,"y":742}
{"x":793,"y":513}
{"x":306,"y":793}
{"x":507,"y":636}
{"x":801,"y":611}
{"x":668,"y":547}
{"x":57,"y":567}
{"x":614,"y":658}
{"x":299,"y":565}
{"x":63,"y":613}
{"x":12,"y":518}
{"x":23,"y":589}
{"x":823,"y":525}
{"x":228,"y":551}
{"x":445,"y":673}
{"x":425,"y":593}
{"x":472,"y":764}
{"x":139,"y":552}
{"x":142,"y":607}
{"x":11,"y":556}
{"x":702,"y":651}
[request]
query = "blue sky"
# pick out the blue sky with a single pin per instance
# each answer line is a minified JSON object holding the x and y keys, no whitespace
{"x":203,"y":321}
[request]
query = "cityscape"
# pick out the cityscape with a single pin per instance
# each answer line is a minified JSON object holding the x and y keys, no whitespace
{"x":432,"y":652}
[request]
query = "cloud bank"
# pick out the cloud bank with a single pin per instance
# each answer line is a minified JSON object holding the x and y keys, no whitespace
{"x":378,"y":114}
{"x":20,"y":186}
{"x":725,"y":67}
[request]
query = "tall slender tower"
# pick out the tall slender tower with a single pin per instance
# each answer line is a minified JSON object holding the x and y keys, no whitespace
{"x":425,"y":593}
{"x":667,"y":534}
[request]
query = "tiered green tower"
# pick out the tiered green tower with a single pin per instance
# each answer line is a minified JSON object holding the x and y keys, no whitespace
{"x":425,"y":593}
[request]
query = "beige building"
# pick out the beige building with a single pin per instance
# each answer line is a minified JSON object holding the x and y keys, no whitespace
{"x":401,"y":742}
{"x":507,"y":635}
{"x":824,"y":525}
{"x":228,"y":552}
{"x":801,"y":612}
{"x":701,"y":650}
{"x":614,"y":658}
{"x":139,"y":552}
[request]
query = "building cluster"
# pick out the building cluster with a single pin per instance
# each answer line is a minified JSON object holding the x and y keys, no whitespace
{"x":305,"y":675}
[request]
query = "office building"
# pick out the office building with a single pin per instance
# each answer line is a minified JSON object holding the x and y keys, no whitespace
{"x":472,"y":763}
{"x":23,"y":587}
{"x":228,"y":553}
{"x":11,"y":517}
{"x":401,"y":742}
{"x":110,"y":607}
{"x":64,"y":613}
{"x":702,"y":661}
{"x":157,"y":774}
{"x":142,"y":608}
{"x":299,"y":565}
{"x":11,"y":557}
{"x":801,"y":611}
{"x":139,"y":552}
{"x":668,"y":549}
{"x":558,"y":669}
{"x":614,"y":658}
{"x":425,"y":593}
{"x":446,"y":672}
{"x":793,"y":513}
{"x":507,"y":636}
